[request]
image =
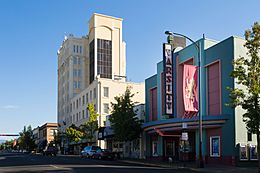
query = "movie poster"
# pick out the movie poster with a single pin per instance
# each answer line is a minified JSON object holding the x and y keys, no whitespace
{"x":243,"y":152}
{"x":215,"y":146}
{"x":253,"y":152}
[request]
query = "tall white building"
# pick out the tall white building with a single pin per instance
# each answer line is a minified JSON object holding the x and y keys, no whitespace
{"x":93,"y":69}
{"x":72,"y":73}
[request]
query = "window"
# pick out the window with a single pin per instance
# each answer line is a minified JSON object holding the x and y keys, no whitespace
{"x":75,"y":73}
{"x":80,"y":116}
{"x":106,"y":92}
{"x":77,"y":117}
{"x":104,"y":58}
{"x":95,"y":93}
{"x":83,"y":114}
{"x":79,"y":101}
{"x":90,"y":95}
{"x":106,"y":108}
{"x":87,"y":98}
{"x":77,"y":104}
{"x":70,"y":107}
{"x":80,"y":49}
{"x":74,"y":60}
{"x":79,"y":84}
{"x":74,"y":84}
{"x":249,"y":136}
{"x":153,"y":104}
{"x":53,"y":132}
{"x":87,"y":113}
{"x":77,"y":49}
{"x":74,"y":48}
{"x":214,"y":146}
{"x":154,"y":148}
{"x":91,"y":60}
{"x":213,"y":74}
{"x":83,"y":100}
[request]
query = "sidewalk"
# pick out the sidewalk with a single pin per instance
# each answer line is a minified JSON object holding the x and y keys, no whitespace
{"x":192,"y":166}
{"x":187,"y":166}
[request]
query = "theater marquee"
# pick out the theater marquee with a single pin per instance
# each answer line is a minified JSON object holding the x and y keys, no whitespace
{"x":168,"y":78}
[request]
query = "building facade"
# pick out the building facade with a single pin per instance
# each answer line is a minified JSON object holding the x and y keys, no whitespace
{"x":101,"y":92}
{"x":92,"y":69}
{"x":80,"y":60}
{"x":44,"y":134}
{"x":129,"y":149}
{"x":225,"y":137}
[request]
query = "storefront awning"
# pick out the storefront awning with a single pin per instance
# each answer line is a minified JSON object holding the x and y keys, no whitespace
{"x":163,"y":134}
{"x":175,"y":124}
{"x":105,"y":132}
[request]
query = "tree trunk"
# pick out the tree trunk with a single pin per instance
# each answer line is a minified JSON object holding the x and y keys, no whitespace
{"x":258,"y":150}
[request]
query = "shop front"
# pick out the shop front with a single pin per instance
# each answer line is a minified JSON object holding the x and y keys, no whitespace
{"x":167,"y":139}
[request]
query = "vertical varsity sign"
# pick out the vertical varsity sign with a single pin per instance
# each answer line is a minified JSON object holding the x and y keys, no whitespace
{"x":168,"y":77}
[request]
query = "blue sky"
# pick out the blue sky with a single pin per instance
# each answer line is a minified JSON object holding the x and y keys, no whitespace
{"x":31,"y":32}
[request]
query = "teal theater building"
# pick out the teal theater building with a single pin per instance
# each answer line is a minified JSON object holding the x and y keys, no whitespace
{"x":225,"y":139}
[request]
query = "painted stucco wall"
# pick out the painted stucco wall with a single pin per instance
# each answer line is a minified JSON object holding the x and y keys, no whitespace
{"x":224,"y":53}
{"x":159,"y":89}
{"x":241,"y":131}
{"x":150,"y":82}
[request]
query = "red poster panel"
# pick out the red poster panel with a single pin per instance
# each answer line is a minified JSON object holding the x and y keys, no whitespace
{"x":190,"y":89}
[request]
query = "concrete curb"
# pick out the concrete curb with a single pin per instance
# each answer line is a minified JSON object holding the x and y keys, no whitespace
{"x":179,"y":166}
{"x":209,"y":169}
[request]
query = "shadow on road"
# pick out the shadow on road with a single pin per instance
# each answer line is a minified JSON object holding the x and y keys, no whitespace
{"x":28,"y":163}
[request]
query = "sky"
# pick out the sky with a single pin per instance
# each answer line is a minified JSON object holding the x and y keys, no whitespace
{"x":32,"y":31}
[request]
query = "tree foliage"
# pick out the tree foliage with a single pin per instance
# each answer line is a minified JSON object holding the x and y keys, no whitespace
{"x":90,"y":127}
{"x":8,"y":145}
{"x":87,"y":130}
{"x":124,"y":122}
{"x":247,"y":74}
{"x":73,"y":133}
{"x":25,"y":141}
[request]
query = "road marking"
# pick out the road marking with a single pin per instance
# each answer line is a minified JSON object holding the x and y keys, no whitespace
{"x":54,"y":166}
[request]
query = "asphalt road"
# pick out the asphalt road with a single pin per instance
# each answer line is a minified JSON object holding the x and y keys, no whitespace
{"x":26,"y":163}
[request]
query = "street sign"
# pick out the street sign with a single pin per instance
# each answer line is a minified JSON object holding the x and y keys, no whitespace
{"x":184,"y":136}
{"x":184,"y":125}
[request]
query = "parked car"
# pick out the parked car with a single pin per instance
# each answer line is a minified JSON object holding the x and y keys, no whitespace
{"x":103,"y":154}
{"x":89,"y":151}
{"x":50,"y":151}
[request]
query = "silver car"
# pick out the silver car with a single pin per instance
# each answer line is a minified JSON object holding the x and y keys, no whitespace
{"x":88,"y":151}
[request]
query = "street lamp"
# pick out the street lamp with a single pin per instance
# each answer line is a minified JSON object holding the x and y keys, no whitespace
{"x":200,"y":161}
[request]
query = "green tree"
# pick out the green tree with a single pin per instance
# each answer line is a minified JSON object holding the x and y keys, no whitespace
{"x":124,"y":122}
{"x":247,"y":74}
{"x":74,"y":133}
{"x":90,"y":127}
{"x":25,"y":141}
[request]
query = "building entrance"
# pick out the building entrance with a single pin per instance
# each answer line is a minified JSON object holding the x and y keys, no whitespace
{"x":171,"y":148}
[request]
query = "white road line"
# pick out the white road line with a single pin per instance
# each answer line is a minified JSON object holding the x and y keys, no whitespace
{"x":54,"y":166}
